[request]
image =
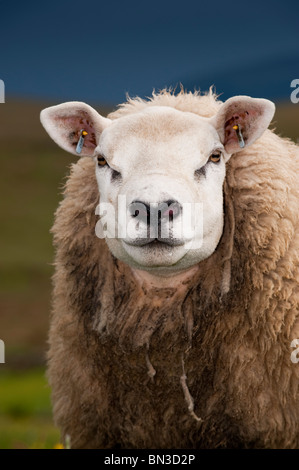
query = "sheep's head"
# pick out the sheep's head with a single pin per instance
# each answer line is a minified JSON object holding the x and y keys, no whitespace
{"x":160,"y":174}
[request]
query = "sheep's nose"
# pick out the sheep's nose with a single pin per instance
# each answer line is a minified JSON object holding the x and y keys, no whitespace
{"x":160,"y":212}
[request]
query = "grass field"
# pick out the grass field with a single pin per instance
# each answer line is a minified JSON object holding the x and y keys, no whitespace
{"x":32,"y":174}
{"x":25,"y":411}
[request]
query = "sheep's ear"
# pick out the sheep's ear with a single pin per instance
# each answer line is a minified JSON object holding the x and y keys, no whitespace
{"x":241,"y":120}
{"x":67,"y":122}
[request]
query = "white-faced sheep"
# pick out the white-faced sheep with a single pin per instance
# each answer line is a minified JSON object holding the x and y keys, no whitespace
{"x":182,"y":341}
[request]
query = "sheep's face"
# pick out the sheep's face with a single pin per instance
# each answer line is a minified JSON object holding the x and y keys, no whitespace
{"x":160,"y":174}
{"x":164,"y":176}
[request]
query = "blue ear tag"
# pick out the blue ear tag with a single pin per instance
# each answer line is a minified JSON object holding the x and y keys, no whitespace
{"x":80,"y":143}
{"x":240,"y":136}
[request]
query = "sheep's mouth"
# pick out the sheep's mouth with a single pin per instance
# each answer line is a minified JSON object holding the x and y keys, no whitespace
{"x":154,"y":253}
{"x":155,"y":243}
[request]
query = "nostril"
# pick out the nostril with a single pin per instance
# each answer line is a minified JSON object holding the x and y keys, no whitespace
{"x":142,"y":213}
{"x":139,"y":208}
{"x":172,"y":211}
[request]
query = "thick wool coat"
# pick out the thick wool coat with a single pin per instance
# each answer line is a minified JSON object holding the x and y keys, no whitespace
{"x":131,"y":367}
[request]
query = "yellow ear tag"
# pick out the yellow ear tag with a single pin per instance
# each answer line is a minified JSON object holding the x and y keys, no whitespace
{"x":239,"y":135}
{"x":80,"y":143}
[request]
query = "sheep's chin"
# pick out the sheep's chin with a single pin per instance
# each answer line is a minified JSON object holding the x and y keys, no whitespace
{"x":178,"y":280}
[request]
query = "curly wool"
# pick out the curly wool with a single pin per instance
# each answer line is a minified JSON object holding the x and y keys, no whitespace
{"x":137,"y":368}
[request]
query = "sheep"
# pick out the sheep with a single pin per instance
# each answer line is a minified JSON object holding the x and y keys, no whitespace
{"x":176,"y":343}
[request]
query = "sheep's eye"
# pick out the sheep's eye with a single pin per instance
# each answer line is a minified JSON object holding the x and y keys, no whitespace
{"x":215,"y":157}
{"x":101,"y":160}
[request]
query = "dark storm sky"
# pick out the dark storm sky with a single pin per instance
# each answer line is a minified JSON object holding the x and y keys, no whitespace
{"x":97,"y":51}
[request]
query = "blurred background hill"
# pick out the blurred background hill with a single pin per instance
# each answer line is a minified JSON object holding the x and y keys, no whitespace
{"x":97,"y":52}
